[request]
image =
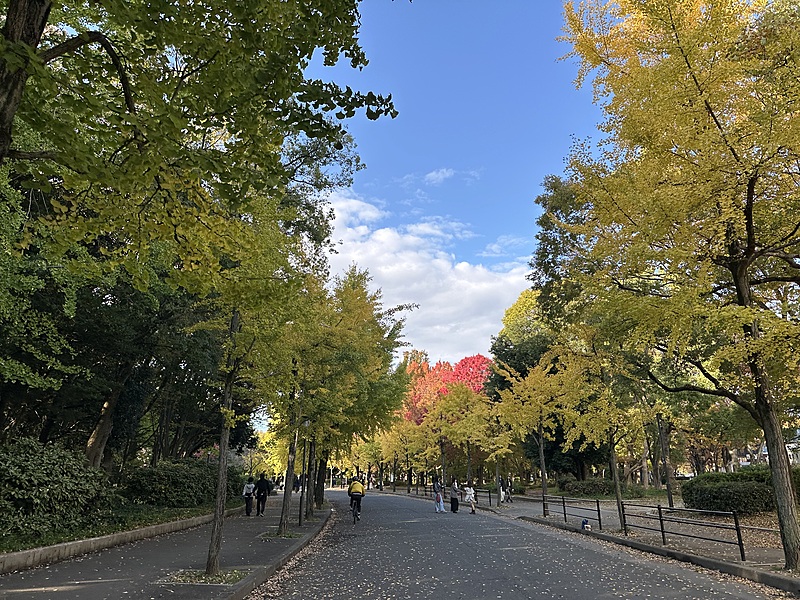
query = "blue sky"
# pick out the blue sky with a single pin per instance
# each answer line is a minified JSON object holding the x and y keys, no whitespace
{"x":444,"y":214}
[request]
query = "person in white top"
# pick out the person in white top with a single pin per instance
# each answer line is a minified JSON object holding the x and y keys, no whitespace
{"x":247,"y":494}
{"x":469,"y":496}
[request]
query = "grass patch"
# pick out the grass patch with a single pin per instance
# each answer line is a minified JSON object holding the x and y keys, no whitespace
{"x":229,"y":577}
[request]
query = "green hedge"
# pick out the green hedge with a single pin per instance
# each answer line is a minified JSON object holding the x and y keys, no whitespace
{"x":179,"y":484}
{"x":760,"y":474}
{"x":46,"y":488}
{"x":564,"y":479}
{"x":743,"y":496}
{"x":747,"y":490}
{"x":597,"y":486}
{"x":590,"y":487}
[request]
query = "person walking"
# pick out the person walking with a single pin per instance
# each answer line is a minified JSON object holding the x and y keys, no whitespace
{"x":247,"y":494}
{"x":437,"y":495}
{"x":454,"y":494}
{"x":469,"y":496}
{"x":262,"y":491}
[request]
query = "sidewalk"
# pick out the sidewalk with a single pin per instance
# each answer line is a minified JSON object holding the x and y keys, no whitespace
{"x":144,"y":569}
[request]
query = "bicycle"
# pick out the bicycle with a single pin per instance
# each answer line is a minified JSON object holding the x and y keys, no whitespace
{"x":355,"y":507}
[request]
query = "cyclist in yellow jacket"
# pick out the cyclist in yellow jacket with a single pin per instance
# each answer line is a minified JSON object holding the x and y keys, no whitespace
{"x":356,"y":491}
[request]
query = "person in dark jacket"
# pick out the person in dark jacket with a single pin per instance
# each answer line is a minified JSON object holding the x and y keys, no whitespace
{"x":262,"y":491}
{"x":454,"y":494}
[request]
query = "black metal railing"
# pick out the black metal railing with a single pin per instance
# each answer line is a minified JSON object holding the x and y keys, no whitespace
{"x":669,"y":522}
{"x":583,"y":508}
{"x":479,"y":491}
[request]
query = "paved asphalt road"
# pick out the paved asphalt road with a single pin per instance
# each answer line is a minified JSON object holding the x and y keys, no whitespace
{"x":402,"y":549}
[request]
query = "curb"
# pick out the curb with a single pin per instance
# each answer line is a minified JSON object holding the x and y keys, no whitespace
{"x":781,"y":582}
{"x":262,"y":573}
{"x":37,"y":557}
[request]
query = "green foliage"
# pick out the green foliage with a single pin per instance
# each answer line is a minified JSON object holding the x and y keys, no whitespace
{"x":633,"y":490}
{"x":565,"y":479}
{"x":597,"y":487}
{"x":121,"y":517}
{"x":179,"y":484}
{"x":590,"y":487}
{"x":743,"y":496}
{"x":47,"y":488}
{"x":760,"y":474}
{"x":747,"y":490}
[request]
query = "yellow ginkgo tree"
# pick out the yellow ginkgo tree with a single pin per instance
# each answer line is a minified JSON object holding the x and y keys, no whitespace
{"x":691,"y":205}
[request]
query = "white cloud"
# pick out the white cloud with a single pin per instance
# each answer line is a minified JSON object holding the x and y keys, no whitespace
{"x":438,"y":176}
{"x":460,"y":304}
{"x":506,"y":245}
{"x":353,"y":211}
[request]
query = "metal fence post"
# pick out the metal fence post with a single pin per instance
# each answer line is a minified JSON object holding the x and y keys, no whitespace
{"x":739,"y":535}
{"x":599,"y":520}
{"x":624,"y":520}
{"x":564,"y":507}
{"x":661,"y":523}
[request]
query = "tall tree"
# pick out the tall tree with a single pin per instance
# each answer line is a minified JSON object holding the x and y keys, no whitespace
{"x":175,"y":113}
{"x":691,"y":208}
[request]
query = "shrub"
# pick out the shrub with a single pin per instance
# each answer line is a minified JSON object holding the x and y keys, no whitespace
{"x":590,"y":487}
{"x":179,"y":484}
{"x":761,"y":474}
{"x":744,"y":496}
{"x":48,"y":488}
{"x":563,"y":480}
{"x":633,"y":490}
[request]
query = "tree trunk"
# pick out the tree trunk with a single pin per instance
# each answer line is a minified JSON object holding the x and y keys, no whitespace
{"x":96,"y":445}
{"x":232,"y":365}
{"x":322,"y":468}
{"x":444,"y":473}
{"x":303,"y":480}
{"x":663,"y":440}
{"x":409,"y":474}
{"x":763,"y":409}
{"x":497,"y":479}
{"x":542,"y":468}
{"x":283,"y":524}
{"x":212,"y":562}
{"x":469,"y":461}
{"x":615,"y":475}
{"x":24,"y":24}
{"x":311,"y":476}
{"x":781,"y":479}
